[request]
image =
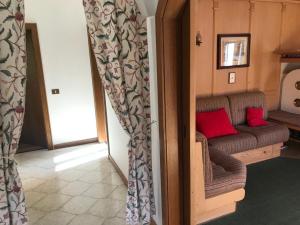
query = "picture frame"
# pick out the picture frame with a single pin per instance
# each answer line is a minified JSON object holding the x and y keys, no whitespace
{"x":233,"y":50}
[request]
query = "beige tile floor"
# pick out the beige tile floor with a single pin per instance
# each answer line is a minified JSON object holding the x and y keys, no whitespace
{"x":72,"y":186}
{"x":78,"y":186}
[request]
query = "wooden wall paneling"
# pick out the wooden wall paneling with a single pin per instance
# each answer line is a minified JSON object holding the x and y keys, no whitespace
{"x":273,"y":99}
{"x":201,"y":70}
{"x":264,"y":72}
{"x":210,"y":17}
{"x":231,"y":16}
{"x":169,"y":67}
{"x":228,"y":22}
{"x":290,"y":27}
{"x":202,"y":20}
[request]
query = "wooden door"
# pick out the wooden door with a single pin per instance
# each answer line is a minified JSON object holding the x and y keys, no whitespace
{"x":36,"y":132}
{"x":99,"y":97}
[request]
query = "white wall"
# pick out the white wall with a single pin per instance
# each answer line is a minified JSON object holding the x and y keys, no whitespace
{"x":286,"y":68}
{"x":154,"y":116}
{"x":147,"y":7}
{"x":66,"y":64}
{"x":118,"y":139}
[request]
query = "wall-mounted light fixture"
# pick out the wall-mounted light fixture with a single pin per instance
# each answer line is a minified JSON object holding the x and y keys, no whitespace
{"x":198,"y":39}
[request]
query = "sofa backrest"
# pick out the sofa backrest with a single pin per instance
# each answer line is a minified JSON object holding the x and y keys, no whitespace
{"x":206,"y":104}
{"x":240,"y":102}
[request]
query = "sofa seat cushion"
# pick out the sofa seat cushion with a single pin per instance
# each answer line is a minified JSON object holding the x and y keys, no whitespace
{"x":229,"y":174}
{"x":234,"y":143}
{"x":270,"y":134}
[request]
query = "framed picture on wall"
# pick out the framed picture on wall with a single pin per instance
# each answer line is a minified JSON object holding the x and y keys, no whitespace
{"x":233,"y":50}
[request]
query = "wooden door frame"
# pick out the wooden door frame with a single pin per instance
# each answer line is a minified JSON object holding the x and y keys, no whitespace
{"x":99,"y":99}
{"x":41,"y":82}
{"x":169,"y":57}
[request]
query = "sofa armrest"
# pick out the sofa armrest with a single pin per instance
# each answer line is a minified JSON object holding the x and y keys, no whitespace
{"x":200,"y":137}
{"x":229,"y":174}
{"x":206,"y":158}
{"x":228,"y":162}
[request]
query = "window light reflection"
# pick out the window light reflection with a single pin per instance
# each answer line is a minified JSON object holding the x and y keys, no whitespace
{"x":80,"y":156}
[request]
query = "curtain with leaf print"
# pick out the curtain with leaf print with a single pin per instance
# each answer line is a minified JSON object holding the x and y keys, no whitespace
{"x":12,"y":93}
{"x":118,"y":33}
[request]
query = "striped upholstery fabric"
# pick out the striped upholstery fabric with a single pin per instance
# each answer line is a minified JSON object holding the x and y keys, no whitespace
{"x":229,"y":174}
{"x":213,"y":103}
{"x":267,"y":135}
{"x":234,"y":143}
{"x":240,"y":102}
{"x":223,"y":173}
{"x":206,"y":159}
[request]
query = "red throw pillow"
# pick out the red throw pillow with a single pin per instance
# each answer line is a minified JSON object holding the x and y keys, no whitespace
{"x":255,"y":117}
{"x":214,"y":124}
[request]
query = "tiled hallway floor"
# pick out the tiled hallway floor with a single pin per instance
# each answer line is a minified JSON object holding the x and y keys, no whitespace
{"x":72,"y":186}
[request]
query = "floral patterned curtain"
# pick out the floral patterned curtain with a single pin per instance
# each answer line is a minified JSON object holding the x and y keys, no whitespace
{"x":118,"y":34}
{"x":12,"y":93}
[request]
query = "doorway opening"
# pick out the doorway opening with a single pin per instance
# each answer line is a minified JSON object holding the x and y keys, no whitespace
{"x":36,"y":132}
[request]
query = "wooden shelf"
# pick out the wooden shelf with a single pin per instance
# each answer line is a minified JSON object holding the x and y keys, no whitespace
{"x":290,"y":60}
{"x":290,"y":56}
{"x":289,"y":52}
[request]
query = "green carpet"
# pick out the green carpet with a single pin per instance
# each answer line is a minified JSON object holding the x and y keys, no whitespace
{"x":272,"y":195}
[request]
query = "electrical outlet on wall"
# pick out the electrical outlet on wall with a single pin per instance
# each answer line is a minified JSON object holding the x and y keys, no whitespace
{"x":231,"y":77}
{"x":55,"y":91}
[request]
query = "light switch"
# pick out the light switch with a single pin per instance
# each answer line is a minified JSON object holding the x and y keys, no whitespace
{"x":231,"y":78}
{"x":55,"y":91}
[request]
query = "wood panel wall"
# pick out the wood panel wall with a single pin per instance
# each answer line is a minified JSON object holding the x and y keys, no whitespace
{"x":273,"y":24}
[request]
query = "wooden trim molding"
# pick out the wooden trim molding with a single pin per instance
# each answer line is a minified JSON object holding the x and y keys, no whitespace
{"x":259,"y":154}
{"x":119,"y":171}
{"x":99,"y":98}
{"x":203,"y":209}
{"x":41,"y":80}
{"x":278,"y":1}
{"x":123,"y":177}
{"x":168,"y":16}
{"x":76,"y":143}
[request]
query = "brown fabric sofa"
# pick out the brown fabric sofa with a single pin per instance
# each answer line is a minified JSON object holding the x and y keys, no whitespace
{"x":223,"y":172}
{"x":248,"y":138}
